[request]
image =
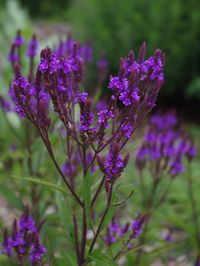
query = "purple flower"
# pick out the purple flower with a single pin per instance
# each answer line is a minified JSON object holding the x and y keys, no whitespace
{"x":101,"y":105}
{"x":102,"y":68}
{"x":113,"y":164}
{"x":127,"y":129}
{"x":13,"y":57}
{"x":36,"y":252}
{"x":23,"y":240}
{"x":114,"y":231}
{"x":138,"y":225}
{"x":27,"y":223}
{"x":89,"y":159}
{"x":32,"y":47}
{"x":164,"y":141}
{"x":118,"y":84}
{"x":19,"y":40}
{"x":137,"y":78}
{"x":164,"y":121}
{"x":82,"y":96}
{"x":197,"y":262}
{"x":6,"y":246}
{"x":191,"y":151}
{"x":168,"y":237}
{"x":102,"y":63}
{"x":69,"y":45}
{"x":5,"y":105}
{"x":21,"y":91}
{"x":104,"y":116}
{"x":86,"y":52}
{"x":177,"y":167}
{"x":72,"y":165}
{"x":86,"y":117}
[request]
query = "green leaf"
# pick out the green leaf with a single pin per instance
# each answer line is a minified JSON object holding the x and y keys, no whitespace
{"x":10,"y":196}
{"x":4,"y":261}
{"x":101,"y":259}
{"x":87,"y":182}
{"x":124,"y":199}
{"x":66,"y":214}
{"x":156,"y":252}
{"x":44,"y":183}
{"x":97,"y":95}
{"x":110,"y":213}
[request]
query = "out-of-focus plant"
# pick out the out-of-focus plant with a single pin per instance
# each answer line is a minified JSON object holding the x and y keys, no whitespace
{"x":23,"y":244}
{"x":46,"y":9}
{"x":163,"y":152}
{"x":172,"y":25}
{"x":94,"y":143}
{"x":194,"y":213}
{"x":12,"y":18}
{"x":193,"y":89}
{"x":26,"y":139}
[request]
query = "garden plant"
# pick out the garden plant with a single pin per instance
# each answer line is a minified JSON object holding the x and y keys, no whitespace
{"x":77,"y":151}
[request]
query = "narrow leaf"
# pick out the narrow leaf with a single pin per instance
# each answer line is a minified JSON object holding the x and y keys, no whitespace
{"x":44,"y":183}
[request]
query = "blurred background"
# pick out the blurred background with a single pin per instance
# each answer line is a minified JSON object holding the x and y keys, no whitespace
{"x":115,"y":27}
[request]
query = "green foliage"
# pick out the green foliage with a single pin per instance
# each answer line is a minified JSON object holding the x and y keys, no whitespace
{"x":117,"y":26}
{"x":101,"y":259}
{"x":46,"y":8}
{"x":193,"y":89}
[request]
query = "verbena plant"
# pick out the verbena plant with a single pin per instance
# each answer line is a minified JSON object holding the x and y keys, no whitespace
{"x":93,"y":154}
{"x":95,"y":150}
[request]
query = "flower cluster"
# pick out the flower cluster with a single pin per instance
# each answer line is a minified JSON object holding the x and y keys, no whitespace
{"x":5,"y":105}
{"x":24,"y":240}
{"x":139,"y":80}
{"x":165,"y":145}
{"x":65,"y":49}
{"x":112,"y":165}
{"x":133,"y":229}
{"x":114,"y":231}
{"x":86,"y":117}
{"x":58,"y":78}
{"x":197,"y":262}
{"x":90,"y":135}
{"x":18,"y":42}
{"x":32,"y":47}
{"x":14,"y":55}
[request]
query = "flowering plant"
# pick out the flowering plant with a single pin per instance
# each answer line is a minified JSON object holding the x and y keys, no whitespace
{"x":95,"y":151}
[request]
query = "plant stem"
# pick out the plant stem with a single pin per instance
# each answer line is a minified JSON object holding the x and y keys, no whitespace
{"x":142,"y":188}
{"x":65,"y":181}
{"x":193,"y":206}
{"x":98,"y":191}
{"x":149,"y":207}
{"x":102,"y":220}
{"x":76,"y":238}
{"x":122,"y":249}
{"x":69,"y":153}
{"x":84,"y":223}
{"x":48,"y":147}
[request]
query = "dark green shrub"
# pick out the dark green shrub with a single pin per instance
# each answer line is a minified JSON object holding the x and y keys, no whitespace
{"x":117,"y":26}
